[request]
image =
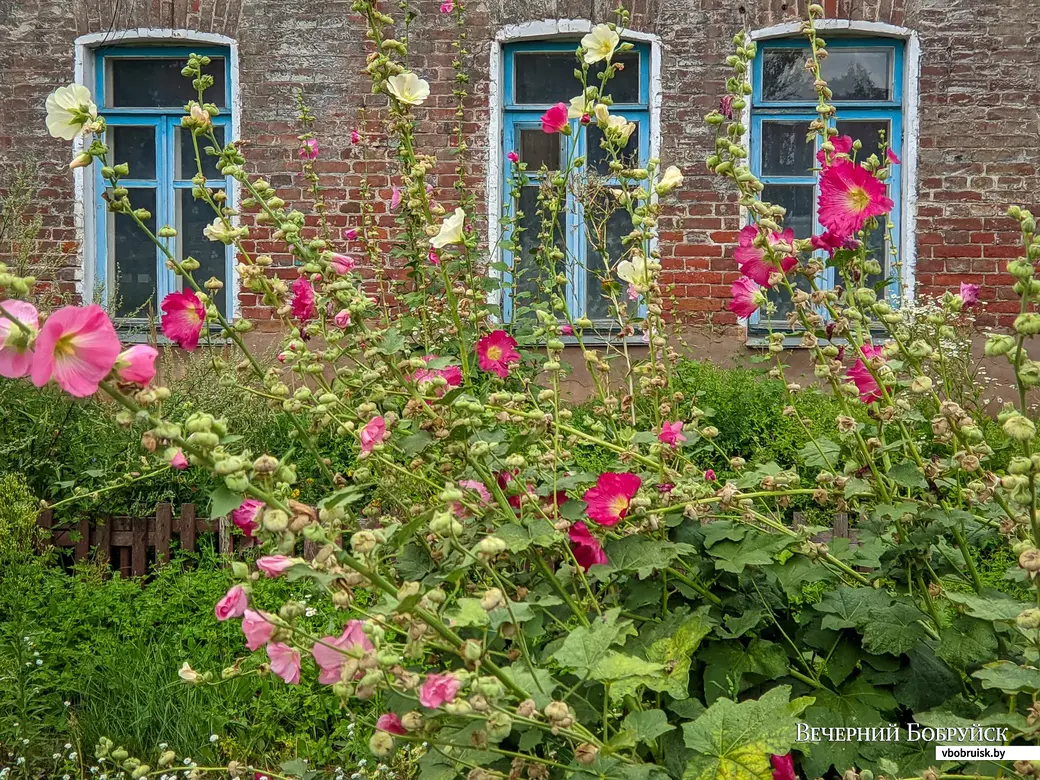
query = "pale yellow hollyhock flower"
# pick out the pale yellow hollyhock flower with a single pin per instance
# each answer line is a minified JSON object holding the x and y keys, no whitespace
{"x":69,"y":110}
{"x":620,"y":128}
{"x":217,"y":231}
{"x":599,"y":44}
{"x":635,"y":271}
{"x":188,"y":674}
{"x":408,"y":88}
{"x":671,"y":179}
{"x":578,"y":107}
{"x":451,"y":230}
{"x":602,"y":114}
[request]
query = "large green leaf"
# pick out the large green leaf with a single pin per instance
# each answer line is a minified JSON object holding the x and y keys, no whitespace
{"x":648,"y":725}
{"x":467,"y":612}
{"x":223,"y":501}
{"x":539,"y":688}
{"x":894,"y":629}
{"x":642,"y":555}
{"x":1008,"y":677}
{"x":967,"y":642}
{"x":733,"y":741}
{"x":851,"y":607}
{"x":727,"y":664}
{"x":625,"y":673}
{"x":820,"y":453}
{"x":755,"y":549}
{"x":990,"y":605}
{"x":583,"y":647}
{"x":675,"y":653}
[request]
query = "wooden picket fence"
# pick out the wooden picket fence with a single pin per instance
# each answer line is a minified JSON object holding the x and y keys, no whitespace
{"x":126,"y":541}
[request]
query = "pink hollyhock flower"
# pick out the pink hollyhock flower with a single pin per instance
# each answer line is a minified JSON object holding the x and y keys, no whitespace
{"x":496,"y":351}
{"x":969,"y":294}
{"x":665,"y":487}
{"x":869,"y":390}
{"x":178,"y":461}
{"x":513,"y":157}
{"x":285,"y":662}
{"x":849,"y":196}
{"x":372,"y":434}
{"x":842,"y":150}
{"x":566,"y":330}
{"x":342,"y":319}
{"x":274,"y":565}
{"x":310,"y":149}
{"x":438,"y":689}
{"x":258,"y":628}
{"x":15,"y":353}
{"x":233,"y":604}
{"x":184,"y":316}
{"x":752,"y":260}
{"x":452,"y":375}
{"x":892,"y":156}
{"x":390,"y":723}
{"x":587,"y":550}
{"x":447,"y":7}
{"x":607,"y":502}
{"x":395,"y":198}
{"x":350,"y":235}
{"x":633,"y":292}
{"x":303,"y":307}
{"x":482,"y":492}
{"x":747,"y":297}
{"x":726,"y":106}
{"x":671,"y":433}
{"x":137,"y":364}
{"x":76,"y":347}
{"x":245,"y":517}
{"x":555,"y":119}
{"x":433,"y":257}
{"x":709,"y":475}
{"x":783,"y":767}
{"x":342,"y":264}
{"x":331,"y":652}
{"x":828,"y":242}
{"x":355,"y":137}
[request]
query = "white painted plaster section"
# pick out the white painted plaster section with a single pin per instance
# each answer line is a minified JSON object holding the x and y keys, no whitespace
{"x":85,"y":194}
{"x":547,"y":29}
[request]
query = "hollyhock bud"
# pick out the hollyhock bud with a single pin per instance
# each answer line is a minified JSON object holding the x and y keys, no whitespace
{"x":1020,"y":428}
{"x":513,"y":157}
{"x":381,"y":744}
{"x":275,"y":520}
{"x":586,"y":753}
{"x":493,"y":599}
{"x":471,"y":650}
{"x":1027,"y":324}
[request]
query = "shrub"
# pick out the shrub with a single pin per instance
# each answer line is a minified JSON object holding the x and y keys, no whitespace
{"x":19,"y":533}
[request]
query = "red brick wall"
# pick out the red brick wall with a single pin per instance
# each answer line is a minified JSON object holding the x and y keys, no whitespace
{"x":979,"y":113}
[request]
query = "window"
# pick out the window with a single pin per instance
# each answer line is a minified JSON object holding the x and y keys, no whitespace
{"x":866,"y":77}
{"x":539,"y":74}
{"x":142,"y":94}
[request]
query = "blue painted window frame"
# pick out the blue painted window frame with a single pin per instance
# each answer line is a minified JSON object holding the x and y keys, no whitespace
{"x":165,"y":122}
{"x":850,"y":110}
{"x":518,"y":116}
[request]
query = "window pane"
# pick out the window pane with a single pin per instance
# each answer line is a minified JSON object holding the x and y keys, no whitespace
{"x":156,"y":82}
{"x":548,"y":77}
{"x":528,"y":276}
{"x":852,"y":74}
{"x":134,"y":264}
{"x":599,"y":158}
{"x":186,"y":166}
{"x":614,"y":228}
{"x":785,"y":151}
{"x":867,"y":133}
{"x":134,"y":146}
{"x":192,"y":216}
{"x":799,"y":201}
{"x":784,"y":77}
{"x":538,"y":148}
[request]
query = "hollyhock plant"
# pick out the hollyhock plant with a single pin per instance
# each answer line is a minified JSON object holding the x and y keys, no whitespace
{"x":372,"y":434}
{"x":246,"y":517}
{"x":783,"y":767}
{"x":137,"y":364}
{"x":753,"y":261}
{"x":860,"y":375}
{"x":842,"y":149}
{"x":233,"y":604}
{"x":355,"y":137}
{"x":390,"y":723}
{"x":588,"y":552}
{"x":452,"y":375}
{"x":438,"y":689}
{"x":258,"y":628}
{"x":303,"y":307}
{"x":969,"y":294}
{"x":671,"y":433}
{"x":76,"y":347}
{"x":341,"y":319}
{"x":395,"y":198}
{"x":342,"y":264}
{"x":849,"y":196}
{"x":555,"y":119}
{"x":331,"y":653}
{"x":599,"y":44}
{"x":450,"y":231}
{"x":828,"y":242}
{"x":747,"y":297}
{"x":16,"y":352}
{"x":285,"y":662}
{"x":513,"y":157}
{"x":892,"y":157}
{"x":70,"y":111}
{"x":183,"y":318}
{"x":275,"y":565}
{"x":608,"y":501}
{"x":310,"y":149}
{"x":408,"y":88}
{"x":496,"y":352}
{"x":178,"y":461}
{"x":709,"y":475}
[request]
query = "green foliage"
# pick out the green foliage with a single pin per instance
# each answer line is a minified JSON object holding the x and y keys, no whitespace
{"x":19,"y":532}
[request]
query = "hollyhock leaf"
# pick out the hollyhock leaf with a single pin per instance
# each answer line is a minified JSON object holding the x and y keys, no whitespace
{"x":518,"y":612}
{"x":676,"y":652}
{"x":723,"y":529}
{"x":738,"y":625}
{"x":732,"y":661}
{"x":858,"y":702}
{"x":990,"y":605}
{"x":539,"y":689}
{"x":648,"y":725}
{"x":820,"y":453}
{"x":893,"y":630}
{"x":733,"y":741}
{"x":642,"y":555}
{"x":519,"y":537}
{"x":467,"y":612}
{"x":851,"y":607}
{"x":757,"y":549}
{"x":858,"y":487}
{"x":584,"y":646}
{"x":908,"y":475}
{"x":223,"y":501}
{"x":626,"y":673}
{"x":415,"y":443}
{"x":414,"y":562}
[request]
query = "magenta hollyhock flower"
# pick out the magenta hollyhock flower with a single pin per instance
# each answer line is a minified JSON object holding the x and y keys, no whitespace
{"x":76,"y":347}
{"x":303,"y":307}
{"x":15,"y":353}
{"x":372,"y":434}
{"x":752,"y":261}
{"x":350,"y":234}
{"x":395,"y":198}
{"x":513,"y":157}
{"x":709,"y":475}
{"x":671,"y":433}
{"x":438,"y":689}
{"x":783,"y":767}
{"x":747,"y":297}
{"x":331,"y":652}
{"x":892,"y":156}
{"x":827,"y":242}
{"x":355,"y":137}
{"x":869,"y":390}
{"x":245,"y":517}
{"x":433,"y":257}
{"x":258,"y":628}
{"x":842,"y":146}
{"x":275,"y":565}
{"x":285,"y":662}
{"x":310,"y":149}
{"x":342,"y":319}
{"x":390,"y":723}
{"x":726,"y":106}
{"x":178,"y":461}
{"x":496,"y":351}
{"x":342,"y":264}
{"x":184,"y":316}
{"x":849,"y":196}
{"x":665,"y":487}
{"x":587,"y":550}
{"x":567,"y":330}
{"x":233,"y":604}
{"x":607,"y":502}
{"x":137,"y":364}
{"x":483,"y":495}
{"x":555,"y":119}
{"x":447,"y":6}
{"x":452,"y":375}
{"x":969,"y":294}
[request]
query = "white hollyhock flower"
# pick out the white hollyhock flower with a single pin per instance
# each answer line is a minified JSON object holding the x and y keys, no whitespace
{"x":577,"y":107}
{"x":69,"y":110}
{"x":618,"y":128}
{"x":671,"y":179}
{"x":635,"y":271}
{"x":451,"y":230}
{"x":408,"y":88}
{"x":218,"y":231}
{"x":188,"y":674}
{"x":599,"y":44}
